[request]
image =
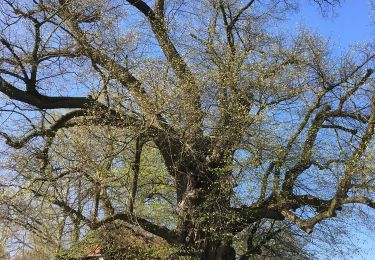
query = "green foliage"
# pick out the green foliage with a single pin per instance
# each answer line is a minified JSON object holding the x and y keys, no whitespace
{"x":156,"y":194}
{"x":119,"y":241}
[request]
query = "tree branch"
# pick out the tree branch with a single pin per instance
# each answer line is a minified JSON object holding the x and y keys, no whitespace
{"x":62,"y":122}
{"x":142,"y":6}
{"x":159,"y":7}
{"x":41,"y":101}
{"x":240,"y":12}
{"x":305,"y":159}
{"x":185,"y":76}
{"x":160,"y":231}
{"x":136,"y":170}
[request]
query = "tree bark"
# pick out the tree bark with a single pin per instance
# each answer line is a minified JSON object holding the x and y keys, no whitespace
{"x":198,"y":229}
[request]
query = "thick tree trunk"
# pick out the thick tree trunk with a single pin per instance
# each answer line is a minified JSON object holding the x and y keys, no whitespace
{"x":216,"y":251}
{"x":203,"y":189}
{"x":209,"y":247}
{"x":200,"y":226}
{"x":206,"y":245}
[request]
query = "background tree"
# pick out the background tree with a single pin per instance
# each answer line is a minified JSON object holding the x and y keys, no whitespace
{"x":249,"y":125}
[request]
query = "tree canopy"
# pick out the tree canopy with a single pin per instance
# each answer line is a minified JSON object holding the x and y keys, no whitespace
{"x":194,"y":124}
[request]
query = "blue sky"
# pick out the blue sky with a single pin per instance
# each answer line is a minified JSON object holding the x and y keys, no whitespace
{"x":351,"y":24}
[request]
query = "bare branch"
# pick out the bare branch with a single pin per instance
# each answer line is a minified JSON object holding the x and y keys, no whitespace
{"x":240,"y":12}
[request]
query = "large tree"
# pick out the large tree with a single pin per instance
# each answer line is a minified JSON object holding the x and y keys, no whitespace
{"x":250,"y":125}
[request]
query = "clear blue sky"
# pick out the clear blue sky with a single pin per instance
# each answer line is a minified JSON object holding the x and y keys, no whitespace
{"x":351,"y":24}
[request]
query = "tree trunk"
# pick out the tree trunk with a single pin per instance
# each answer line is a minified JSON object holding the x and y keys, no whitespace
{"x":216,"y":251}
{"x":202,"y":212}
